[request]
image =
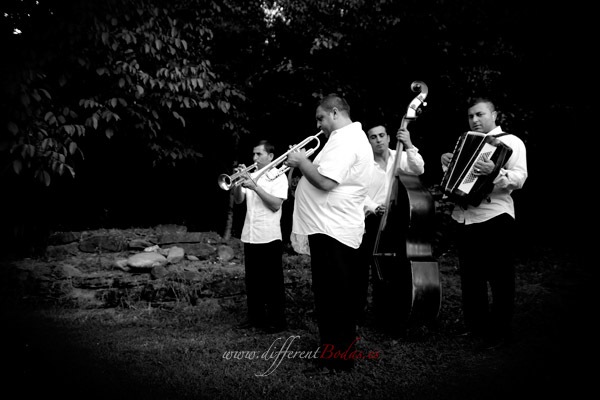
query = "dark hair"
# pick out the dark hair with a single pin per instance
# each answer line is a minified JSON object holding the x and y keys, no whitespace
{"x":476,"y":100}
{"x":375,"y":126}
{"x":269,"y":148}
{"x":334,"y":100}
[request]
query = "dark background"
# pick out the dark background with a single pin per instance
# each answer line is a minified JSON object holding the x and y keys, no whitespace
{"x":542,"y":86}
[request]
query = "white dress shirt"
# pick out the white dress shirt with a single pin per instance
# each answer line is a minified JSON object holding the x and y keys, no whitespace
{"x":411,"y":163}
{"x":512,"y":176}
{"x":346,"y":158}
{"x":262,"y":225}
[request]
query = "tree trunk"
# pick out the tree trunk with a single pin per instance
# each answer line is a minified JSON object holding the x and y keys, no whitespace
{"x":229,"y":221}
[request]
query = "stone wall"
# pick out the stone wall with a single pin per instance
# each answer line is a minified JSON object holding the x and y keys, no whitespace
{"x":106,"y":268}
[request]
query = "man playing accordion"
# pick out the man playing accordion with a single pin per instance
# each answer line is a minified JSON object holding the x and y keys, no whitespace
{"x":485,"y":231}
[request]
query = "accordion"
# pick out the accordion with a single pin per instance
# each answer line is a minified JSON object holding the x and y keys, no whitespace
{"x":460,"y":184}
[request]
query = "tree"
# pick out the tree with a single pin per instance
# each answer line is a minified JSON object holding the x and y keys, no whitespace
{"x":81,"y":75}
{"x":112,"y":68}
{"x":199,"y":80}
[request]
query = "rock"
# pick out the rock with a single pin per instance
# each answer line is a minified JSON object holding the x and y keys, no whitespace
{"x":66,"y":271}
{"x":85,"y":271}
{"x":60,"y":252}
{"x":146,"y":260}
{"x":175,"y":255}
{"x":121,"y":263}
{"x":131,"y":281}
{"x":180,"y":237}
{"x":139,"y":244}
{"x":159,"y":272}
{"x":175,"y":268}
{"x":94,"y":280}
{"x":86,"y":298}
{"x":59,"y":238}
{"x":212,"y":237}
{"x":200,"y":250}
{"x":42,"y":272}
{"x":172,"y":228}
{"x":185,"y":276}
{"x":99,"y":243}
{"x":225,"y":253}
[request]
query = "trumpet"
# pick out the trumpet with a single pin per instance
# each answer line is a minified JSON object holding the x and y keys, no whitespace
{"x":226,"y":182}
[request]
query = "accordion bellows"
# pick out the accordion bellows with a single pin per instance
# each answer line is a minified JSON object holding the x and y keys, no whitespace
{"x":460,"y":184}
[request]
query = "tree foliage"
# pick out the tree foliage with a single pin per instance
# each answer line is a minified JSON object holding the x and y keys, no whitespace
{"x":185,"y":80}
{"x":370,"y":52}
{"x":132,"y":67}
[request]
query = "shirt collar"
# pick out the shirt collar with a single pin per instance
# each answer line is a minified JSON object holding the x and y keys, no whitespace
{"x":349,"y":127}
{"x":494,"y":131}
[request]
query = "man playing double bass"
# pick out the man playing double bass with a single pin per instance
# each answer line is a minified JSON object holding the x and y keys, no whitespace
{"x":384,"y":160}
{"x":485,"y":232}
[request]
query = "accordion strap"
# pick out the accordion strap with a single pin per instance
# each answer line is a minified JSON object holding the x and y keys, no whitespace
{"x":500,"y":135}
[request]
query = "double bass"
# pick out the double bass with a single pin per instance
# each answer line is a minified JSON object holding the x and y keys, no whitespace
{"x":408,"y":274}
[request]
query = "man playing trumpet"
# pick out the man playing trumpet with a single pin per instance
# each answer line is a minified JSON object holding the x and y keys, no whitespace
{"x":264,"y":194}
{"x":329,"y":211}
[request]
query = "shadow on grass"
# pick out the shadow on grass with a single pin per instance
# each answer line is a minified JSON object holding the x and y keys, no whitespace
{"x":194,"y":352}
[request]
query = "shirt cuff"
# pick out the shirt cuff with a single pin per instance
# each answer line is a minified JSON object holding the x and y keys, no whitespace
{"x":370,"y":206}
{"x":502,"y":178}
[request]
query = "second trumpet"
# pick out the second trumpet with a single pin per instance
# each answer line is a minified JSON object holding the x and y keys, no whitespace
{"x":226,"y":182}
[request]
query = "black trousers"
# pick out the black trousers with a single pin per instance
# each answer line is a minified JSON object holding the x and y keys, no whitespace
{"x":366,"y":264}
{"x":265,"y":291}
{"x":486,"y":256}
{"x":335,"y":286}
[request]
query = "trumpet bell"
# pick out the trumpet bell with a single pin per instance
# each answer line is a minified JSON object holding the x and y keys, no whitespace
{"x":224,"y":181}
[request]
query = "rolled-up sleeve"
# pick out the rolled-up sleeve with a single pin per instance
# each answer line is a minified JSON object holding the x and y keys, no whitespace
{"x":414,"y":162}
{"x":513,"y":175}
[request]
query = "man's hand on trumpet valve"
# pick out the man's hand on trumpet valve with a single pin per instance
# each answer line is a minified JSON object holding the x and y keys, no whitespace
{"x":248,"y":183}
{"x":295,"y":158}
{"x":244,"y":179}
